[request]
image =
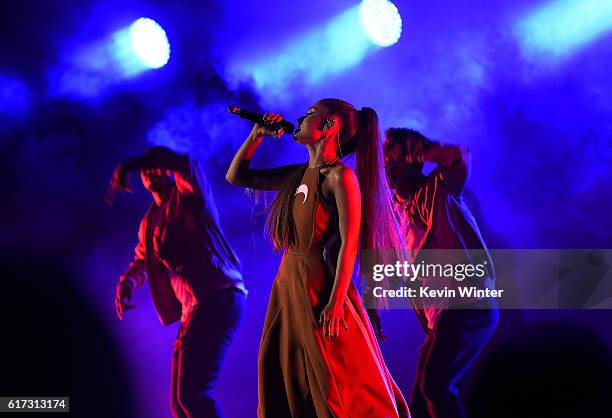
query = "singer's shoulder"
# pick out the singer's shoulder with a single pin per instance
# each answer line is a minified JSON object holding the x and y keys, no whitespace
{"x":340,"y":174}
{"x":338,"y":168}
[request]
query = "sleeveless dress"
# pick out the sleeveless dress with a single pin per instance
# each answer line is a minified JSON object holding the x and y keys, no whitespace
{"x":302,"y":373}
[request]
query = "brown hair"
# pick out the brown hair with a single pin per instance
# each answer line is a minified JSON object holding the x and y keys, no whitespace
{"x":280,"y":225}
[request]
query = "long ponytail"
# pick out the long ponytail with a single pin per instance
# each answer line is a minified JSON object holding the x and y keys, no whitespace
{"x":379,"y":228}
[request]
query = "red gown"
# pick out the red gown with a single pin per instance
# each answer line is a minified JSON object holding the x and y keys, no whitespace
{"x":301,"y":372}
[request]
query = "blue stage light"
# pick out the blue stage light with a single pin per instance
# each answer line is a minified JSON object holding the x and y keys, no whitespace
{"x":380,"y":21}
{"x":330,"y":49}
{"x":562,"y":26}
{"x":90,"y":71}
{"x":327,"y":50}
{"x":149,"y":43}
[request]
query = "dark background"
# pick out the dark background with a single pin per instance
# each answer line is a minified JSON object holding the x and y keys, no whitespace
{"x":532,"y":101}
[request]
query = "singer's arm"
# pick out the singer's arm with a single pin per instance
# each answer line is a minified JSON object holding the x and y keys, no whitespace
{"x":240,"y":173}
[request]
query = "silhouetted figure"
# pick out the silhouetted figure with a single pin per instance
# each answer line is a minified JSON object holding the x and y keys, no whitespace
{"x":193,"y":273}
{"x":440,"y":229}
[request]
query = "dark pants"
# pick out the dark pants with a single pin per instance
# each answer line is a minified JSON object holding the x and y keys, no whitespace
{"x":448,"y":352}
{"x":199,"y":350}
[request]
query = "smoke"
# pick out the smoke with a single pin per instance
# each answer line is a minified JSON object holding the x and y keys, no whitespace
{"x":205,"y":130}
{"x":15,"y":100}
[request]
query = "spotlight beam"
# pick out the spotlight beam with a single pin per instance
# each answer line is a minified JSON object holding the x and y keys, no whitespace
{"x":560,"y":27}
{"x":340,"y":44}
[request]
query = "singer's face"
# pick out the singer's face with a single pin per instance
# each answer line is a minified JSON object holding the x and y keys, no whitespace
{"x":309,"y":130}
{"x":156,"y":180}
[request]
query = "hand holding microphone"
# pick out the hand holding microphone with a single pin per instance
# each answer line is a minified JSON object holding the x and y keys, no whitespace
{"x":268,"y":124}
{"x":271,"y":126}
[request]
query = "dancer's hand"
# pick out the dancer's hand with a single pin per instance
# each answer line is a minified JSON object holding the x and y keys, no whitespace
{"x":265,"y":130}
{"x":332,"y":318}
{"x":120,"y":180}
{"x":374,"y":316}
{"x":123,"y":297}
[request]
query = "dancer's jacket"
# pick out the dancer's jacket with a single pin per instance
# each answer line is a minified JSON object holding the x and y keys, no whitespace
{"x":188,"y":241}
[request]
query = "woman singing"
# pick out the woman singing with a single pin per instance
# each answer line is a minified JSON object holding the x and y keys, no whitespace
{"x":318,"y":354}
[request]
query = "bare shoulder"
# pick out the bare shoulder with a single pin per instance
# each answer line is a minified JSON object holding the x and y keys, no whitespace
{"x":341,"y":175}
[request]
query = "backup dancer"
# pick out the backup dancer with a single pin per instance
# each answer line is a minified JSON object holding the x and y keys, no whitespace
{"x":440,"y":229}
{"x":193,"y":273}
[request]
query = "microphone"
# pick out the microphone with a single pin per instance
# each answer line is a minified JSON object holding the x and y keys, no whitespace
{"x":288,"y":127}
